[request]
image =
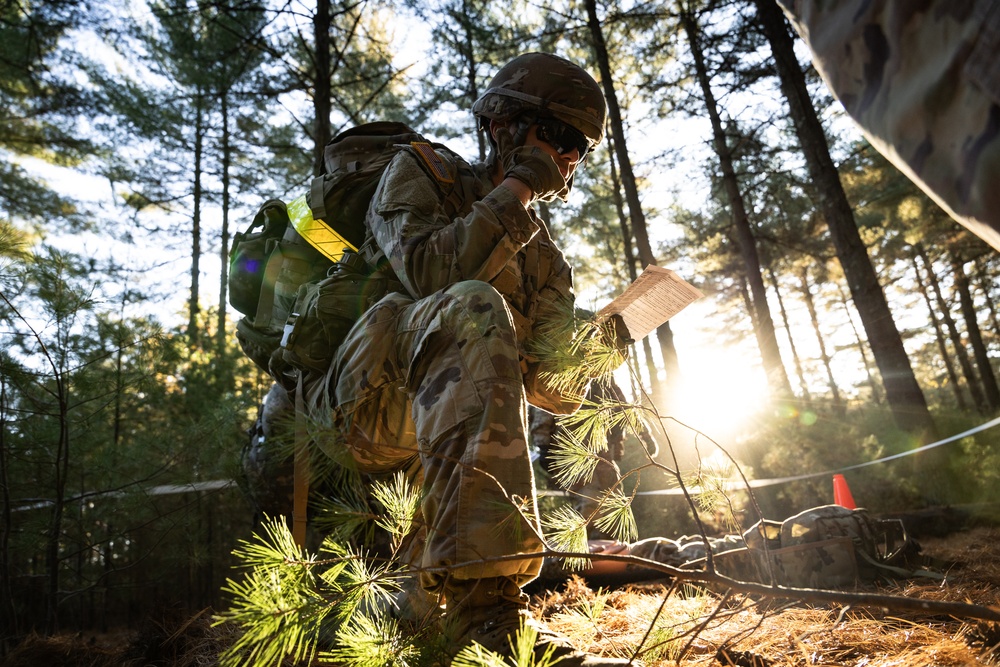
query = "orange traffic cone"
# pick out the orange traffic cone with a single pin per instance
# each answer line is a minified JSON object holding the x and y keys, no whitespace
{"x":842,"y":493}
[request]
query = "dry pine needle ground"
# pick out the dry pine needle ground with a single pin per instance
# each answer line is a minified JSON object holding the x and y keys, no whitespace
{"x":696,"y":627}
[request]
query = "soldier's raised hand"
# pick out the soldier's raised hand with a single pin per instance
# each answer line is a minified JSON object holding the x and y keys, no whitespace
{"x":536,"y":169}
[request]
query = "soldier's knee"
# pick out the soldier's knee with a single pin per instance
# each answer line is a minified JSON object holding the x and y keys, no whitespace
{"x":477,"y":292}
{"x":482,"y":302}
{"x":479,"y":305}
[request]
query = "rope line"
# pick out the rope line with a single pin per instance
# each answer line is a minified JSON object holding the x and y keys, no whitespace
{"x":753,"y":483}
{"x":758,"y":483}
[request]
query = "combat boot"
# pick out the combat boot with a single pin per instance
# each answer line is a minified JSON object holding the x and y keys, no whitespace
{"x":490,"y":612}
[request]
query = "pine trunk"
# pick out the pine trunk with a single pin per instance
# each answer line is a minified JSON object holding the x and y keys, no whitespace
{"x":905,"y":398}
{"x":956,"y":340}
{"x":616,"y":195}
{"x":321,"y":95}
{"x":985,"y":282}
{"x":636,"y":216}
{"x":472,"y":84}
{"x":8,"y":607}
{"x":748,"y":302}
{"x":872,"y":384}
{"x":763,"y":324}
{"x":54,"y":533}
{"x":220,"y":334}
{"x":629,"y":252}
{"x":803,"y":386}
{"x":986,"y":375}
{"x":194,"y":307}
{"x":807,"y":297}
{"x":942,"y":344}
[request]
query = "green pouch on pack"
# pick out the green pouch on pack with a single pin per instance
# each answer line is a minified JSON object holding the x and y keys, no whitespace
{"x":324,"y":313}
{"x":250,"y":252}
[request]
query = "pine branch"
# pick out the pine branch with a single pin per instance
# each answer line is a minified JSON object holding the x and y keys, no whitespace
{"x":574,"y":352}
{"x":356,"y":581}
{"x":568,"y":533}
{"x":276,"y":604}
{"x":572,"y":459}
{"x":615,"y":516}
{"x":401,"y":501}
{"x":288,"y":600}
{"x":341,"y":519}
{"x":367,"y":642}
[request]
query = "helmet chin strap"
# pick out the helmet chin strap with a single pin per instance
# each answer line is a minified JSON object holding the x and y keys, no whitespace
{"x":521,"y":126}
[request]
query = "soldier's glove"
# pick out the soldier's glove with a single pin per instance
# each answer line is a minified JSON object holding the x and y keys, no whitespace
{"x":536,"y":169}
{"x":613,"y":334}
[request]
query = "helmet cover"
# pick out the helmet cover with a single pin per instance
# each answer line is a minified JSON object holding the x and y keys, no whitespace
{"x":544,"y":84}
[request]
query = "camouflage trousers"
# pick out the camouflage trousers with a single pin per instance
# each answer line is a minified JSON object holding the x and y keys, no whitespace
{"x":434,"y":386}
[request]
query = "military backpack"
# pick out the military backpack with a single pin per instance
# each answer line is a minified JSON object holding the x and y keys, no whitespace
{"x":295,"y":273}
{"x":831,"y":547}
{"x":300,"y":283}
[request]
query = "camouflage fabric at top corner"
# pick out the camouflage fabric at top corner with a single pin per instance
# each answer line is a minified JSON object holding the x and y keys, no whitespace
{"x":922,"y":79}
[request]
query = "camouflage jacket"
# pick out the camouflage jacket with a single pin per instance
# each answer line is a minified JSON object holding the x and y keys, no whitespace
{"x":439,"y":220}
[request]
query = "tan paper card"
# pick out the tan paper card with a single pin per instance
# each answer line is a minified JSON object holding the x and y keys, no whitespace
{"x":655,"y":296}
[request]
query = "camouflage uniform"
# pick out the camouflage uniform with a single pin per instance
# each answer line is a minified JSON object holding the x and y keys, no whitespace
{"x":437,"y":383}
{"x":267,"y":470}
{"x":435,"y":378}
{"x":922,"y":79}
{"x":585,"y":494}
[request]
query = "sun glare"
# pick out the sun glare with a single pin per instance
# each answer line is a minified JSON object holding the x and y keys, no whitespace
{"x":719,"y":393}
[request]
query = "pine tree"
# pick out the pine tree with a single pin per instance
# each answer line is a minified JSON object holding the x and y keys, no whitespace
{"x":763,"y":324}
{"x":42,"y":104}
{"x":637,"y":219}
{"x":902,"y":391}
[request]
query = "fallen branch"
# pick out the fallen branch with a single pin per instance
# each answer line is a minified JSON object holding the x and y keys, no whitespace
{"x":849,"y":598}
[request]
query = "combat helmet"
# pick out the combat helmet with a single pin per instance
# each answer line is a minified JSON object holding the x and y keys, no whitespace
{"x":544,"y":84}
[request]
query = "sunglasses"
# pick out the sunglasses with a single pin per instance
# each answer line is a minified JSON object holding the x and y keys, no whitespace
{"x":562,"y":137}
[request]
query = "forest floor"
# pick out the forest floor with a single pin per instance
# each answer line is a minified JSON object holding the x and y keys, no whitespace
{"x":750,"y":631}
{"x":691,"y":625}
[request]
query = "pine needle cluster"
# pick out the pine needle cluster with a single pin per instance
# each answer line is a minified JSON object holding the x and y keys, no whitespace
{"x":401,"y":501}
{"x":576,"y":452}
{"x":340,"y":606}
{"x":337,"y":610}
{"x":577,"y":351}
{"x":332,"y":606}
{"x":567,"y":532}
{"x":276,"y":603}
{"x":522,"y":654}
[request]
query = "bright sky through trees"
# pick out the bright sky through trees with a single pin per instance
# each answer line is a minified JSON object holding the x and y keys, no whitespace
{"x":722,"y":382}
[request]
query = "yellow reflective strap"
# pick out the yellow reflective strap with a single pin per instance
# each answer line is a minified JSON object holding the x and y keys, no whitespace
{"x":319,"y":235}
